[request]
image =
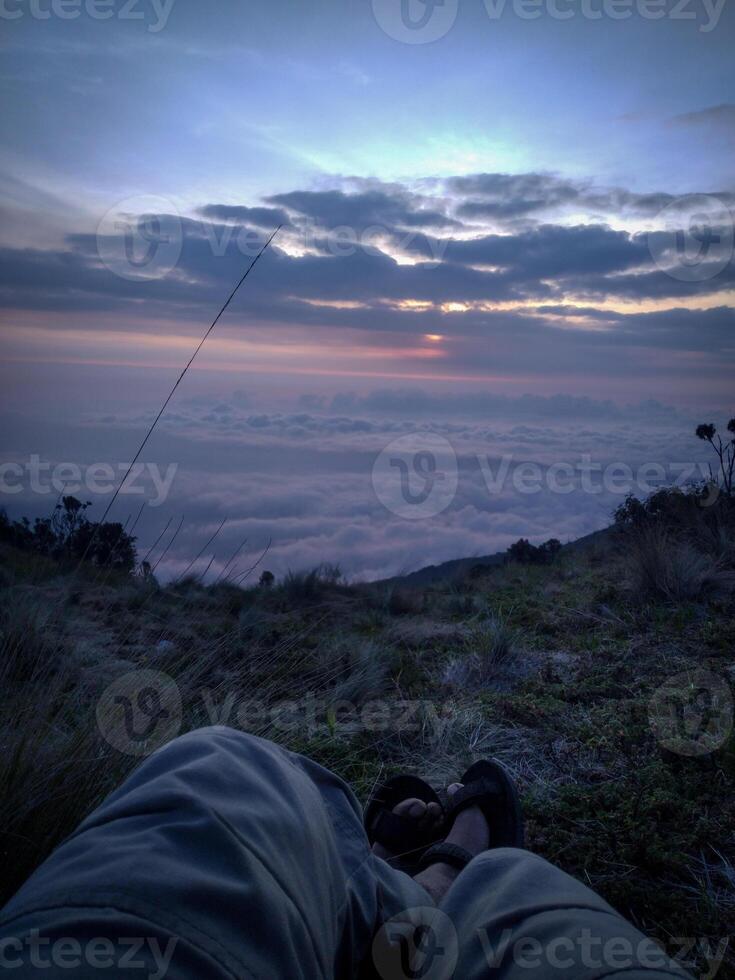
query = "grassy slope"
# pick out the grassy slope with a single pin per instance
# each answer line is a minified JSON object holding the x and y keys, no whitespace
{"x":562,"y":700}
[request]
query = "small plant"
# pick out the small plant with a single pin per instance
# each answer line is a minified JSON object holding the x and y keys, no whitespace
{"x":674,"y":570}
{"x":364,"y":671}
{"x":725,"y":452}
{"x":404,"y":602}
{"x":679,"y":543}
{"x":529,"y":554}
{"x":298,"y":586}
{"x":490,"y":649}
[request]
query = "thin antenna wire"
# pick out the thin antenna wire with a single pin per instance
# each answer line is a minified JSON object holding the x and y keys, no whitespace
{"x":193,"y":562}
{"x":155,"y":543}
{"x":165,"y":550}
{"x":135,"y":522}
{"x":204,"y":573}
{"x":178,"y":382}
{"x":234,"y":556}
{"x":244,"y":575}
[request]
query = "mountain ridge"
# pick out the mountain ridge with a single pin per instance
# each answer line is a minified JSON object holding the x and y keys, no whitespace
{"x":456,"y":568}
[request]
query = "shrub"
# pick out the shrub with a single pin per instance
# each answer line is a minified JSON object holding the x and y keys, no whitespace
{"x":364,"y":673}
{"x":677,"y":509}
{"x":299,"y":586}
{"x":490,"y":648}
{"x":702,"y":514}
{"x":405,"y":602}
{"x":528,"y":554}
{"x":680,"y":543}
{"x":69,"y":534}
{"x":673,"y":569}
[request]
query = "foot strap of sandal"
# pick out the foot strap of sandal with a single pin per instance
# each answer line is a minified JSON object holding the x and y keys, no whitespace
{"x":446,"y":853}
{"x":482,"y":791}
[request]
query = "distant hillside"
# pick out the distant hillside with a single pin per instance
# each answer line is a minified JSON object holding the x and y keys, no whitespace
{"x":457,"y":568}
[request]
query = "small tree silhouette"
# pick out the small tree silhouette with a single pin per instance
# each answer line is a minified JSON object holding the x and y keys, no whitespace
{"x":67,"y":524}
{"x":69,"y":534}
{"x":549,"y":550}
{"x":104,"y":544}
{"x":725,"y":453}
{"x":522,"y":551}
{"x":528,"y":554}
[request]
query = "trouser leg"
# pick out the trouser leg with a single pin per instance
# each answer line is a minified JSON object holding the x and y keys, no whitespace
{"x":517,"y":917}
{"x":236,"y":857}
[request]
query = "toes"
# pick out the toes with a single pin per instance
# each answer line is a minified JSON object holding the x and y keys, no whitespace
{"x":434,"y":812}
{"x":425,"y":814}
{"x":410,"y":808}
{"x":454,"y":788}
{"x":433,"y":816}
{"x":415,"y":809}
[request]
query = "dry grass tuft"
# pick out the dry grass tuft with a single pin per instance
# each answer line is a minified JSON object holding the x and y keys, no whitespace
{"x":491,"y":649}
{"x":662,"y":565}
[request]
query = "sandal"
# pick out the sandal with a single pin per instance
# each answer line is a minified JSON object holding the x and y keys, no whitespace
{"x":488,"y":786}
{"x":396,"y":832}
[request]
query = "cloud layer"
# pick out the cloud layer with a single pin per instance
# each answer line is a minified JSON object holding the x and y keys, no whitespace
{"x":307,"y":483}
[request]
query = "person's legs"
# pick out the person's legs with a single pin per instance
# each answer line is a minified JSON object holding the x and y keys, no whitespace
{"x":221,"y":856}
{"x":517,"y":917}
{"x":511,"y":915}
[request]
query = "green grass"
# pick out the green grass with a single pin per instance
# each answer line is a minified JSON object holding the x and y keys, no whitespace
{"x":569,"y":661}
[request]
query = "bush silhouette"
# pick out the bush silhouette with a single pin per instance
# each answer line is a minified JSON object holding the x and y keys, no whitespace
{"x":529,"y":554}
{"x":725,"y":452}
{"x":69,"y":534}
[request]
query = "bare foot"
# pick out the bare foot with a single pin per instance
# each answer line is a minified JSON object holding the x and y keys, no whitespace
{"x":426,"y":815}
{"x":469,"y":831}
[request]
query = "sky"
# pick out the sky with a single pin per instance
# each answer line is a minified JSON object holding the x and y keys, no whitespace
{"x":506,"y":237}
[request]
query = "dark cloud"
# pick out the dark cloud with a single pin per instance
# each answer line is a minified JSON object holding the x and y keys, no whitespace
{"x":510,"y":195}
{"x":554,"y":251}
{"x":720,"y":116}
{"x":332,"y":209}
{"x":267,"y":218}
{"x":542,"y":265}
{"x":546,"y":269}
{"x":504,"y":198}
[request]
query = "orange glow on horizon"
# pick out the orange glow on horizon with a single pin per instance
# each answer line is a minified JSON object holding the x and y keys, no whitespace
{"x":308,"y":371}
